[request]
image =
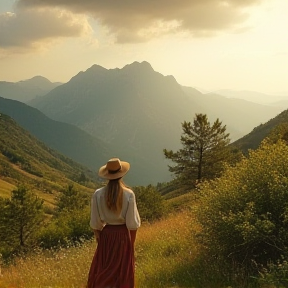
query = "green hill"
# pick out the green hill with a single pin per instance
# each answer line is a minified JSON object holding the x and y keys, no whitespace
{"x":67,"y":139}
{"x":254,"y":138}
{"x":26,"y":160}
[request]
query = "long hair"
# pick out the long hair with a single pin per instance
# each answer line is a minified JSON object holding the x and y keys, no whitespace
{"x":114,"y":195}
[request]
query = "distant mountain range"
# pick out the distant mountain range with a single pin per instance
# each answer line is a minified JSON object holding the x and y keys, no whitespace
{"x":257,"y":97}
{"x":240,"y":116}
{"x":26,"y":90}
{"x":134,"y":113}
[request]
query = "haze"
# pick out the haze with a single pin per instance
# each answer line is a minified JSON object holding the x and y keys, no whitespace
{"x":211,"y":44}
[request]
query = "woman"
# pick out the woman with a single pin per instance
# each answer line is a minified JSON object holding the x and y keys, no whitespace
{"x":114,"y":220}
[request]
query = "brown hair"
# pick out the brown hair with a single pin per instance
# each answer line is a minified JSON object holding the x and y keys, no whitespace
{"x":114,"y":195}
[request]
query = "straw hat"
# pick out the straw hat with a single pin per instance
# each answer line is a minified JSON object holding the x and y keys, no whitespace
{"x":114,"y":169}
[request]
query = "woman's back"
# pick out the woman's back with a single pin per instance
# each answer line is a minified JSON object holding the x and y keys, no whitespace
{"x":102,"y":215}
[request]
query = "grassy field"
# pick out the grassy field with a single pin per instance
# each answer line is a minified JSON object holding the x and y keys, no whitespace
{"x":167,"y":256}
{"x":6,"y":188}
{"x":163,"y":254}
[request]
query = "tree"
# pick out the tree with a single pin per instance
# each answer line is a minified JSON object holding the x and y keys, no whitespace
{"x":70,"y":222}
{"x":26,"y":214}
{"x":20,"y":219}
{"x":71,"y":199}
{"x":205,"y":149}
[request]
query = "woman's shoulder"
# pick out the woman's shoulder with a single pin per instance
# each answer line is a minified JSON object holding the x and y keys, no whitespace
{"x":99,"y":191}
{"x":128,"y":191}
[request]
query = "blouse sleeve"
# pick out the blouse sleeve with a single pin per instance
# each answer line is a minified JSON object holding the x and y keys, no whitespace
{"x":95,"y":221}
{"x":133,"y":221}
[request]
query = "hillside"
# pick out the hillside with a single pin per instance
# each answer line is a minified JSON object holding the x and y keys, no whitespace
{"x":139,"y":112}
{"x":26,"y":160}
{"x":254,"y":138}
{"x":26,"y":90}
{"x":69,"y":140}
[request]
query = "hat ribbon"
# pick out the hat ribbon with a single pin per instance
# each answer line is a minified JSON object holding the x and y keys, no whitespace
{"x":114,"y":171}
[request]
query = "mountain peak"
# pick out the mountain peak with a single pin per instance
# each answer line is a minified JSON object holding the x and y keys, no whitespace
{"x":139,"y":66}
{"x":95,"y":69}
{"x":36,"y":80}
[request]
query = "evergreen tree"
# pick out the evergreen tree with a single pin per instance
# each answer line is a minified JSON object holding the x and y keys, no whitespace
{"x":205,"y":149}
{"x":25,"y":211}
{"x":20,"y":219}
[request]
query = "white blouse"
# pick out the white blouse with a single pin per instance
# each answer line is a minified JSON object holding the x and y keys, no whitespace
{"x":101,"y":215}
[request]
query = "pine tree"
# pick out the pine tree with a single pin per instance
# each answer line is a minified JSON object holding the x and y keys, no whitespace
{"x":205,"y":149}
{"x":25,"y":211}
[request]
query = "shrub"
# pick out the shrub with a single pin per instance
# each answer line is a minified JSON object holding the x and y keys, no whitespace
{"x":70,"y":224}
{"x":244,"y":214}
{"x":149,"y":202}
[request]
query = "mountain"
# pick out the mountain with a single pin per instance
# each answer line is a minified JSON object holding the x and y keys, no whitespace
{"x":238,"y":115}
{"x":139,"y":112}
{"x":65,"y":138}
{"x":26,"y":90}
{"x":254,"y":138}
{"x":135,"y":109}
{"x":26,"y":160}
{"x":253,"y":96}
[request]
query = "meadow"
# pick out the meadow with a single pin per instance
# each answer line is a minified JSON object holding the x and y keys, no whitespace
{"x":6,"y":188}
{"x":164,"y":251}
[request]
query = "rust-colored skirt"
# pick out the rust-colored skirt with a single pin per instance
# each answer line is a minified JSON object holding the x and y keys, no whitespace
{"x":113,"y":262}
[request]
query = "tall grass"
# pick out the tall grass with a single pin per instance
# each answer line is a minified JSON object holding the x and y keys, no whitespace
{"x":167,"y":256}
{"x":62,"y":268}
{"x":165,"y":251}
{"x":163,"y":254}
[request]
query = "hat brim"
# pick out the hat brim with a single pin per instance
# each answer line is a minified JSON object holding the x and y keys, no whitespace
{"x":104,"y":173}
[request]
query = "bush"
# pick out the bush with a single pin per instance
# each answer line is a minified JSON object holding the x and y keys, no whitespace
{"x":149,"y":202}
{"x":70,"y":224}
{"x":244,"y":214}
{"x":275,"y":274}
{"x":65,"y":229}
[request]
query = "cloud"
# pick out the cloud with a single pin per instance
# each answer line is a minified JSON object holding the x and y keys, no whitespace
{"x":140,"y":20}
{"x":31,"y":27}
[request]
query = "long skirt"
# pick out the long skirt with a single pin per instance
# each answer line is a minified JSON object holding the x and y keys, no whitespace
{"x":113,"y":262}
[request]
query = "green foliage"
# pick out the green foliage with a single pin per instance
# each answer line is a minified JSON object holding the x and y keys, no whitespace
{"x":71,"y":199}
{"x":13,"y":156}
{"x":244,"y":214}
{"x":70,"y":224}
{"x":149,"y":202}
{"x":280,"y":132}
{"x":20,"y":219}
{"x":256,"y":136}
{"x":205,"y":149}
{"x":275,"y":274}
{"x":22,"y":157}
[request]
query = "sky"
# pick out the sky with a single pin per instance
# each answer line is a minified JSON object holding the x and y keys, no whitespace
{"x":207,"y":44}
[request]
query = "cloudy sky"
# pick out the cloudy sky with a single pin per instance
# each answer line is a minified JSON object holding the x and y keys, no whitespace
{"x":210,"y":44}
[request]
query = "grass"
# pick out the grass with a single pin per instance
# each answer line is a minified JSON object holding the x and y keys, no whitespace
{"x":163,"y":254}
{"x":165,"y":251}
{"x":64,"y":268}
{"x":167,"y":256}
{"x":6,"y":188}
